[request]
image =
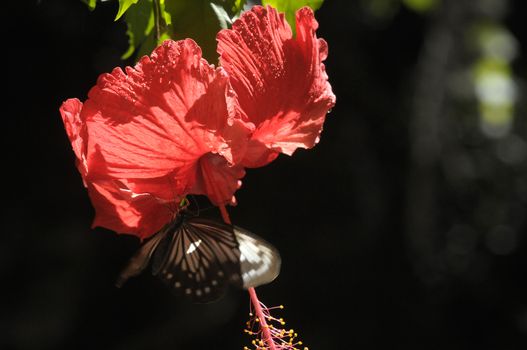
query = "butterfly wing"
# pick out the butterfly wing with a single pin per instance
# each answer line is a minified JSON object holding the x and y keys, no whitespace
{"x":259,"y":260}
{"x":198,"y":259}
{"x":140,"y":260}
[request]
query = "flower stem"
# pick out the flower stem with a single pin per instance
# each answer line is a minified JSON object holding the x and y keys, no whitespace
{"x":225,"y":214}
{"x":254,"y":298}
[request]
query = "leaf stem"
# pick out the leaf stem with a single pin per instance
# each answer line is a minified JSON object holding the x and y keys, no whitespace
{"x":157,"y":20}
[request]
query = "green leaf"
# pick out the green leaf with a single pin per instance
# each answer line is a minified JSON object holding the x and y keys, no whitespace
{"x":91,"y":4}
{"x":140,"y":22}
{"x":201,"y":20}
{"x":197,"y":19}
{"x":123,"y":6}
{"x":223,"y":17}
{"x":289,"y":7}
{"x":141,"y":34}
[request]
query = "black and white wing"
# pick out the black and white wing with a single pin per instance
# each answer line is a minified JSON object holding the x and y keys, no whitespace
{"x":259,"y":260}
{"x":199,"y":259}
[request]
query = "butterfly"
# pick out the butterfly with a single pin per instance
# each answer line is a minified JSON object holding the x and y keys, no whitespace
{"x":198,"y":258}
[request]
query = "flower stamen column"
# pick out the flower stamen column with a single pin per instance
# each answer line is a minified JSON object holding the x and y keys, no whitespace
{"x":254,"y":298}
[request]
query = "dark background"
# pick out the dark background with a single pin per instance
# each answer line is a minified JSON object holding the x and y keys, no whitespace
{"x":403,"y":229}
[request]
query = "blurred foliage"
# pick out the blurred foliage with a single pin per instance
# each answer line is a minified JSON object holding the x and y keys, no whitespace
{"x":480,"y":148}
{"x":289,"y":7}
{"x":421,"y":6}
{"x":380,"y":9}
{"x":495,"y":87}
{"x":495,"y":91}
{"x":464,"y":113}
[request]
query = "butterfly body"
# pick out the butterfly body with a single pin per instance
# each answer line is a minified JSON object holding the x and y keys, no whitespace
{"x":198,"y":258}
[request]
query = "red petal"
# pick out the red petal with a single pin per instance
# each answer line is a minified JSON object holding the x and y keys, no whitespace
{"x":217,"y":179}
{"x":280,"y":80}
{"x":168,"y":127}
{"x":76,"y":130}
{"x":258,"y":154}
{"x":118,"y":209}
{"x":132,"y":206}
{"x":161,"y":115}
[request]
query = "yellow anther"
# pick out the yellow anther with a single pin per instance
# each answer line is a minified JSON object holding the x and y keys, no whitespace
{"x":257,"y":319}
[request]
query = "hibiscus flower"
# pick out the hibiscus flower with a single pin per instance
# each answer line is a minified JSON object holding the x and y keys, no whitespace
{"x":146,"y":138}
{"x":174,"y":125}
{"x":280,"y":80}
